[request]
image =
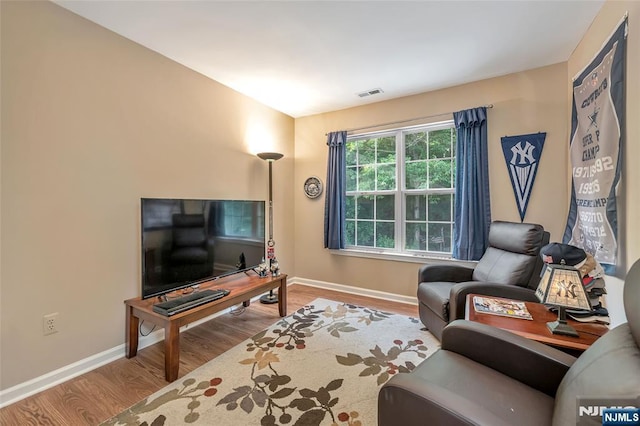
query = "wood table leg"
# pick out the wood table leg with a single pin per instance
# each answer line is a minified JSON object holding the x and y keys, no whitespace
{"x":282,"y":297}
{"x":171,"y":351}
{"x":131,"y":344}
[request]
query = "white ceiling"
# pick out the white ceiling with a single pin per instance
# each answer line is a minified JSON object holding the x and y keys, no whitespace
{"x":308,"y":57}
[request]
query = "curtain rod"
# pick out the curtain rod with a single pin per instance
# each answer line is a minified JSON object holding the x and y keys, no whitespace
{"x":403,"y":121}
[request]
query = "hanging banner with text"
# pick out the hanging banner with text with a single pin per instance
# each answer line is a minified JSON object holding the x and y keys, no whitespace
{"x":597,"y":123}
{"x":522,"y":155}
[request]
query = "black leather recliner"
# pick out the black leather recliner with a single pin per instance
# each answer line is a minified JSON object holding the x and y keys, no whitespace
{"x":192,"y":252}
{"x":487,"y":376}
{"x":510,"y":267}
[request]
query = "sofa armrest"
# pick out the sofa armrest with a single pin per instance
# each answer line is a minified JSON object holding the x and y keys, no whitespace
{"x":459,"y":292}
{"x":210,"y":246}
{"x":408,"y":400}
{"x":535,"y":364}
{"x":448,"y":273}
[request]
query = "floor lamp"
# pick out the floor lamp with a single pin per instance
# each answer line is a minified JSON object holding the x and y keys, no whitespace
{"x":270,"y":157}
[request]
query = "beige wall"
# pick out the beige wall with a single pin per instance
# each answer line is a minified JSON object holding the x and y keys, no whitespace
{"x":629,"y":196}
{"x":525,"y":102}
{"x":91,"y":123}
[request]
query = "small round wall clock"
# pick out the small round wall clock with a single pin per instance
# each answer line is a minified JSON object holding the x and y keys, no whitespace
{"x":313,"y":187}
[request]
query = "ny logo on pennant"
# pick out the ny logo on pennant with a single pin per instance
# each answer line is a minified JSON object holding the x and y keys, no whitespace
{"x":522,"y":155}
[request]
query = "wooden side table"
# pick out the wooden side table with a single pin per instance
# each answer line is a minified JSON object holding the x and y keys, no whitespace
{"x":536,"y":329}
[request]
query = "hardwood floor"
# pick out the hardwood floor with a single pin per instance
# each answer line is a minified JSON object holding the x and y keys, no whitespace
{"x":106,"y":391}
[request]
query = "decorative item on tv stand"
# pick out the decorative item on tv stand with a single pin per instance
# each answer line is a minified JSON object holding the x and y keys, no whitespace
{"x":270,"y":157}
{"x":262,"y":269}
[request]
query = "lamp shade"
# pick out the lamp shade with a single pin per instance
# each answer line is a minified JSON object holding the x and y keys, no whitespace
{"x":562,"y":286}
{"x":270,"y":156}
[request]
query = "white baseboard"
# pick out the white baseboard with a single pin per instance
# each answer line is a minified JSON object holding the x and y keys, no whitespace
{"x":411,"y":300}
{"x":31,"y":387}
{"x":20,"y":391}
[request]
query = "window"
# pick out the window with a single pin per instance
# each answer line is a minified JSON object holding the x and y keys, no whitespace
{"x":243,"y":219}
{"x":400,"y":190}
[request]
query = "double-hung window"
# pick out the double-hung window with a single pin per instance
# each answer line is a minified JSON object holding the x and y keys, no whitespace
{"x":400,"y":190}
{"x":243,"y":219}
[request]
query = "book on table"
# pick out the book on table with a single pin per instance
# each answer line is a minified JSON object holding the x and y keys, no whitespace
{"x":502,"y":307}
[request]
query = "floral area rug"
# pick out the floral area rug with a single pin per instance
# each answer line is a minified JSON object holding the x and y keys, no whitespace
{"x":322,"y":365}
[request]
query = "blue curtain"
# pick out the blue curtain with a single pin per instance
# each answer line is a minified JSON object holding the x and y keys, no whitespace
{"x":472,"y":207}
{"x":335,"y":199}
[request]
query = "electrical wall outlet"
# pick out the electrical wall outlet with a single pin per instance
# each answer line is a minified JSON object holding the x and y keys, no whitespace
{"x":50,"y":324}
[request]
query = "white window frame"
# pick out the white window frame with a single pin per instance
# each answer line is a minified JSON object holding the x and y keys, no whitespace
{"x":255,"y":233}
{"x":400,"y":197}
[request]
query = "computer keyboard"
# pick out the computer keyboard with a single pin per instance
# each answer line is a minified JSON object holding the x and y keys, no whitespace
{"x":180,"y":304}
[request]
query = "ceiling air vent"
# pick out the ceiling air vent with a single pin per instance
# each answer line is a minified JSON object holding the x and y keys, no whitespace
{"x":370,"y":92}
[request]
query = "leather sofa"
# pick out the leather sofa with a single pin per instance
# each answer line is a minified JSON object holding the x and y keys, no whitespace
{"x":486,"y":376}
{"x":510,"y":267}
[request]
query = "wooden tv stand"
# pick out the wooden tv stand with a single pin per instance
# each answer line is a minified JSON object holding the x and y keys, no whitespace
{"x":242,"y":288}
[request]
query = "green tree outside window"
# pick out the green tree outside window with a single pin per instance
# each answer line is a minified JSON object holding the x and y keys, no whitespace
{"x":407,"y":170}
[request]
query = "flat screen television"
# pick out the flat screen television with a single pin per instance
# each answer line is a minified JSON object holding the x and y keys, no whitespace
{"x":186,"y":242}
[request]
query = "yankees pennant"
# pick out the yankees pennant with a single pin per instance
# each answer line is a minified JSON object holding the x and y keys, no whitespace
{"x":522,"y":155}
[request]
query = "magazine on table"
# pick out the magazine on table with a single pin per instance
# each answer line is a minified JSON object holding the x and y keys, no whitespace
{"x":597,"y":319}
{"x":502,"y":307}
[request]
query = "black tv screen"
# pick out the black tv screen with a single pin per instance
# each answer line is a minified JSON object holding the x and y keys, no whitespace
{"x":186,"y":242}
